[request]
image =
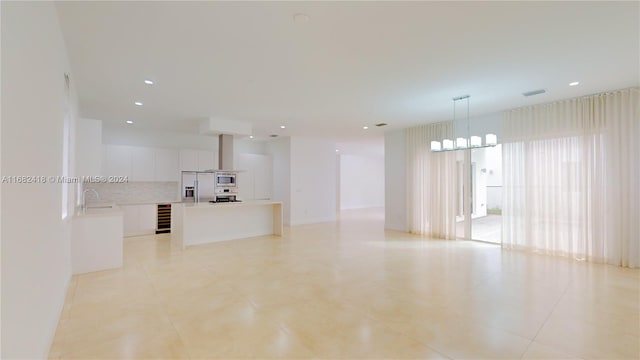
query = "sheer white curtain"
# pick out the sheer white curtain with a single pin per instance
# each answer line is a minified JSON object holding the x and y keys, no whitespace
{"x":571,"y":172}
{"x":431,"y":185}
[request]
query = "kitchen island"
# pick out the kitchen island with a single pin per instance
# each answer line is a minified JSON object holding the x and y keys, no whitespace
{"x":201,"y":223}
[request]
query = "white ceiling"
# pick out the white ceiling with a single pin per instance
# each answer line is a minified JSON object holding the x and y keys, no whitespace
{"x":351,"y":64}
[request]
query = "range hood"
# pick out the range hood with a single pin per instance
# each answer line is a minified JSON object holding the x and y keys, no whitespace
{"x":225,"y":129}
{"x":225,"y":152}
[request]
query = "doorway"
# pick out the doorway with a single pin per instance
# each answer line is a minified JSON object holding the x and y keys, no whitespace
{"x":479,"y":210}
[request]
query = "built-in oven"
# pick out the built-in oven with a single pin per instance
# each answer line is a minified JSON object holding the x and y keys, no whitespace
{"x":225,"y":195}
{"x":225,"y":179}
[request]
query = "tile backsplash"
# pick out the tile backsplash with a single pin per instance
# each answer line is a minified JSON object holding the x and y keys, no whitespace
{"x":133,"y":192}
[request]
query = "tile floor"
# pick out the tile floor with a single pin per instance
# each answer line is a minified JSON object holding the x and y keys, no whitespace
{"x":349,"y":290}
{"x":483,"y":228}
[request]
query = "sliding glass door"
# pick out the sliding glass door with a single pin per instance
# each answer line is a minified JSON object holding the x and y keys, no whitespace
{"x":486,"y":179}
{"x":479,"y":194}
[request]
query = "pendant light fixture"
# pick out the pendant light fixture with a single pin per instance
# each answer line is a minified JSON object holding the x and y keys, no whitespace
{"x":462,"y":134}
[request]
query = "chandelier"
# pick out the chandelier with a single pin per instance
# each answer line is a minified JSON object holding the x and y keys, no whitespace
{"x":463,"y":138}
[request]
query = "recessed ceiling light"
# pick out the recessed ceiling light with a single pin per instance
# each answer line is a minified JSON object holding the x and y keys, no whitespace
{"x":148,"y":82}
{"x":574,"y":83}
{"x":337,"y":150}
{"x":301,"y":18}
{"x":250,"y":136}
{"x":129,"y":122}
{"x":282,"y":127}
{"x":365,"y":127}
{"x":138,"y":103}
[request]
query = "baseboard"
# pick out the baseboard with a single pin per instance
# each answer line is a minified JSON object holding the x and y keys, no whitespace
{"x":314,"y":221}
{"x":363,"y":207}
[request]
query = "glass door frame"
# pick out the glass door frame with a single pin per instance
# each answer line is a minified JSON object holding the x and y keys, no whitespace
{"x":466,"y":196}
{"x":467,"y":199}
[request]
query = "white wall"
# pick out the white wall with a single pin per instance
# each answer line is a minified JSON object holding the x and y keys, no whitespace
{"x":313,"y":180}
{"x":280,"y":151}
{"x":88,"y":147}
{"x":36,"y":265}
{"x":395,"y":211}
{"x":361,"y":181}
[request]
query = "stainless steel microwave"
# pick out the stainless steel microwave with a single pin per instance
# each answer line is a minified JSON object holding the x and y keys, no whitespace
{"x":225,"y":179}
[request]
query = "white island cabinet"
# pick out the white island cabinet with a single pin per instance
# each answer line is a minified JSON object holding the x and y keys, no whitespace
{"x":201,"y":223}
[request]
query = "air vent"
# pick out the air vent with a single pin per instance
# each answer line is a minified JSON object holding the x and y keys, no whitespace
{"x":273,"y":135}
{"x":534,"y":92}
{"x":381,"y":124}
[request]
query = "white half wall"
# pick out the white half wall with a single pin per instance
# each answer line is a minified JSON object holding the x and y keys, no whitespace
{"x":313,"y":180}
{"x":361,"y":181}
{"x":395,"y":183}
{"x":36,"y":266}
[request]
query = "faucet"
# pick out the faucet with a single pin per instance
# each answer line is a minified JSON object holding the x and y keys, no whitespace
{"x":84,"y":197}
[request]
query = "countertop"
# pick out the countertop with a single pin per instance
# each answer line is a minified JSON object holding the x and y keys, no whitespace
{"x":150,"y":202}
{"x":135,"y":202}
{"x":94,"y":207}
{"x":205,"y":205}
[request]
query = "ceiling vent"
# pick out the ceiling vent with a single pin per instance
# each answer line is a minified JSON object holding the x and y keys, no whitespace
{"x":273,"y":135}
{"x":381,"y":124}
{"x":534,"y":92}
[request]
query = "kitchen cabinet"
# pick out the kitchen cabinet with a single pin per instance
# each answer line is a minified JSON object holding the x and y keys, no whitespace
{"x":139,"y":219}
{"x":207,"y":160}
{"x":147,"y":218}
{"x":143,"y":165}
{"x":116,"y":160}
{"x":262,"y":185}
{"x":197,"y":160}
{"x":188,"y":160}
{"x":167,"y":165}
{"x":255,"y":180}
